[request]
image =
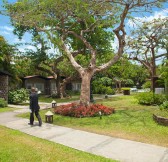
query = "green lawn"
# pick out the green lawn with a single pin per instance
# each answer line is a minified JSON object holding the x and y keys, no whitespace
{"x":5,"y":109}
{"x":19,"y":147}
{"x":131,"y":121}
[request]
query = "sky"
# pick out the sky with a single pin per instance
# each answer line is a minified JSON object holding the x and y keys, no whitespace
{"x":6,"y":30}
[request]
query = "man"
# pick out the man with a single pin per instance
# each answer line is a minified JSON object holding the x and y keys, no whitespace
{"x":34,"y":107}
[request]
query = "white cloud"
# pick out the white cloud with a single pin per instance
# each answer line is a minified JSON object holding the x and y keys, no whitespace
{"x":16,"y":40}
{"x":7,"y":28}
{"x":4,"y":33}
{"x":30,"y":47}
{"x":21,"y":49}
{"x":157,"y":14}
{"x":25,"y":48}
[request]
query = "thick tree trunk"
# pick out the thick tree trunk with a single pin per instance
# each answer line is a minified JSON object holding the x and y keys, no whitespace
{"x":152,"y":84}
{"x":119,"y":86}
{"x":63,"y":86}
{"x":62,"y":90}
{"x":85,"y":87}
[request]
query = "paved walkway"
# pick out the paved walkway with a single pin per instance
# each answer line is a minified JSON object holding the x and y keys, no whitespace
{"x":114,"y":148}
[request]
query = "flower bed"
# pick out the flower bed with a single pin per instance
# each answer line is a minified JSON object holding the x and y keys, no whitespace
{"x":77,"y":110}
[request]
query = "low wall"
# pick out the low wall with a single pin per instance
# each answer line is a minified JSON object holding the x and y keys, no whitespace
{"x":4,"y":87}
{"x":160,"y":120}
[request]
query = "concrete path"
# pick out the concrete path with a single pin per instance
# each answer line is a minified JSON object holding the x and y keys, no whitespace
{"x":115,"y":148}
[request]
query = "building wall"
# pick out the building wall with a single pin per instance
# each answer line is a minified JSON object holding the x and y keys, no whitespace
{"x":39,"y":83}
{"x":53,"y":87}
{"x":4,"y":86}
{"x":76,"y":86}
{"x":48,"y":86}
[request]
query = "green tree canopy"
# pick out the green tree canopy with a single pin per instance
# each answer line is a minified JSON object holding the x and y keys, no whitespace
{"x":72,"y":25}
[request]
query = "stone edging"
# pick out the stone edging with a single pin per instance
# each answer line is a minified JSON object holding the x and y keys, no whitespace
{"x":160,"y":120}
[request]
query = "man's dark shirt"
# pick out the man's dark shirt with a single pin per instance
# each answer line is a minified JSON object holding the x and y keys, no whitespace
{"x":34,"y":106}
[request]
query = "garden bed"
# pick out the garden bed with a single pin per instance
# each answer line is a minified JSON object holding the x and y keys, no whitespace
{"x":77,"y":110}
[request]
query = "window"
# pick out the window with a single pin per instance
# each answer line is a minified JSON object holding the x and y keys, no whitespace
{"x":29,"y":85}
{"x":76,"y":86}
{"x":53,"y":88}
{"x":39,"y":86}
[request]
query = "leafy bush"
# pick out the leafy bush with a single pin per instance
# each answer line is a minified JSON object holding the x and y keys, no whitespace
{"x":75,"y":110}
{"x":108,"y":90}
{"x":164,"y":106}
{"x":3,"y":103}
{"x":101,"y":89}
{"x":54,"y":95}
{"x":125,"y":88}
{"x":18,"y":96}
{"x":148,"y":98}
{"x":146,"y":85}
{"x":129,"y":82}
{"x":102,"y":86}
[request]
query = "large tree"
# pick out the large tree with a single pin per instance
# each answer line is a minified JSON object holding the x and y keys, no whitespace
{"x":6,"y":52}
{"x":145,"y":42}
{"x":78,"y":22}
{"x":127,"y":73}
{"x":48,"y":64}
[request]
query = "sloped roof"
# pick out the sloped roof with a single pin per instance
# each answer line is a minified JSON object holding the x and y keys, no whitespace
{"x":34,"y":76}
{"x":39,"y":76}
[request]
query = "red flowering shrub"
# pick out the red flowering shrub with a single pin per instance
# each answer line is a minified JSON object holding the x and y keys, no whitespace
{"x":77,"y":110}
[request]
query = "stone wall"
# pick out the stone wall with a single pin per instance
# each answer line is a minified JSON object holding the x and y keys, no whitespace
{"x":4,"y":86}
{"x":160,"y":120}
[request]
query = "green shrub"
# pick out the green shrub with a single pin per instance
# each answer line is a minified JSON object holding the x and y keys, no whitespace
{"x":54,"y":95}
{"x":164,"y":106}
{"x":3,"y":103}
{"x":146,"y":85}
{"x":125,"y":88}
{"x":107,"y":90}
{"x":148,"y":98}
{"x":98,"y":89}
{"x":129,"y":82}
{"x":18,"y":96}
{"x":101,"y":89}
{"x":159,"y":98}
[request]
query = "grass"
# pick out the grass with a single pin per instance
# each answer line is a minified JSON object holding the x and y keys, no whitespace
{"x":5,"y":109}
{"x":131,"y":121}
{"x":162,"y":113}
{"x":20,"y":147}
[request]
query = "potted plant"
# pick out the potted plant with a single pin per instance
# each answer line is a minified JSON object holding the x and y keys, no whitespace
{"x":126,"y":90}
